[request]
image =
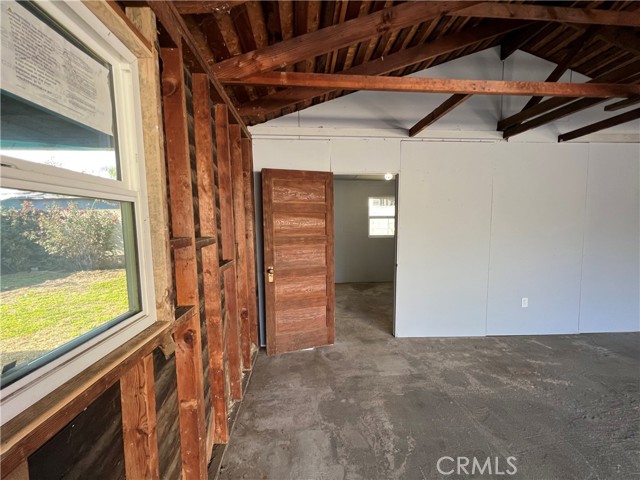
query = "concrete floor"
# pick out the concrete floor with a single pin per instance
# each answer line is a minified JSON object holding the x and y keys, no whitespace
{"x":376,"y":407}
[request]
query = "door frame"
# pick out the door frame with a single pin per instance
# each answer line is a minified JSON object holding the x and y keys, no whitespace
{"x":396,"y":180}
{"x":259,"y":257}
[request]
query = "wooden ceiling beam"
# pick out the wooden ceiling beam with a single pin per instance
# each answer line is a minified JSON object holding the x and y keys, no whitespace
{"x":627,"y":102}
{"x":197,"y":7}
{"x":437,"y":85}
{"x":619,"y":75}
{"x":381,"y":66}
{"x":257,"y":22}
{"x":331,"y":38}
{"x":200,"y":40}
{"x":573,"y":107}
{"x":169,"y":16}
{"x":601,"y":125}
{"x":444,"y":108}
{"x":589,"y":16}
{"x":517,"y":40}
{"x":564,"y":64}
{"x":625,"y":38}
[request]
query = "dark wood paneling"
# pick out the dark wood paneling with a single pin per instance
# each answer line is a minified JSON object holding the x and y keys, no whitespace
{"x":233,"y":332}
{"x":90,"y":446}
{"x":168,"y":423}
{"x":191,"y":395}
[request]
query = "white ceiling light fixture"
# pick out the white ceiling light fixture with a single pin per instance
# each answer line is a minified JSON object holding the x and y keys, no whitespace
{"x":388,"y":176}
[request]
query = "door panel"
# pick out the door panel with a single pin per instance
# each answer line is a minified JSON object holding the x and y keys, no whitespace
{"x":299,"y":224}
{"x":298,"y":244}
{"x":297,"y":256}
{"x":288,"y":191}
{"x":315,"y":285}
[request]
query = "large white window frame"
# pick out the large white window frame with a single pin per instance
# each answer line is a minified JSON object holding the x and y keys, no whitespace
{"x":18,"y":174}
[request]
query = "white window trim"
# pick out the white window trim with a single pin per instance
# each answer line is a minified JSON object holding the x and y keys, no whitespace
{"x":74,"y":16}
{"x":369,"y":217}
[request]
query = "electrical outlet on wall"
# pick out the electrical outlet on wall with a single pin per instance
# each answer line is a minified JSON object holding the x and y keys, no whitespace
{"x":525,"y":302}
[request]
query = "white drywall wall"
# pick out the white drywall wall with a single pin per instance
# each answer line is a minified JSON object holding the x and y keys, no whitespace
{"x":481,"y":225}
{"x":536,"y":238}
{"x":359,"y":258}
{"x":293,"y":154}
{"x":610,"y":295}
{"x":365,"y":155}
{"x":444,"y":202}
{"x":482,"y":222}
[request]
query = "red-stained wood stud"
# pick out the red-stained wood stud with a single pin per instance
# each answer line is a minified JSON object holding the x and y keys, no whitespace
{"x":242,"y":279}
{"x":210,"y":261}
{"x":137,"y":395}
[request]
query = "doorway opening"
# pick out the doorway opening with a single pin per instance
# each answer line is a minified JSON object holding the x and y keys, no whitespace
{"x":365,"y":232}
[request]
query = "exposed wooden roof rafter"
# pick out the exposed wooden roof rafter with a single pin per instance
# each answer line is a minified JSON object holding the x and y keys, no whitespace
{"x":562,"y":67}
{"x":517,"y":40}
{"x":624,"y":74}
{"x":438,"y":85}
{"x":205,"y":6}
{"x":592,"y":16}
{"x":168,"y":15}
{"x":247,"y":38}
{"x":330,"y":38}
{"x":568,"y":109}
{"x":626,"y":38}
{"x":601,"y":125}
{"x":627,"y":102}
{"x":440,"y":111}
{"x":381,"y":66}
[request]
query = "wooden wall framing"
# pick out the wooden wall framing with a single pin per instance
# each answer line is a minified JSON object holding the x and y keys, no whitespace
{"x":199,"y":176}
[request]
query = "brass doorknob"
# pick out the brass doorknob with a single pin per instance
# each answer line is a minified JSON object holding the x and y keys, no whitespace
{"x":270,"y":273}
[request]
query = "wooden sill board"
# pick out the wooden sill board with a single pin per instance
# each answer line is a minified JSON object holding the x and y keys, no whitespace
{"x":24,"y":434}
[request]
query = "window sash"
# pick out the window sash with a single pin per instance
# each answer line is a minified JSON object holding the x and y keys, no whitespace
{"x":389,"y":214}
{"x":382,"y":235}
{"x":86,"y":28}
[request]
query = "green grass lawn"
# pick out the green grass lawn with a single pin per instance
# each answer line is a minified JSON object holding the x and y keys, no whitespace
{"x":28,"y":279}
{"x":43,"y":310}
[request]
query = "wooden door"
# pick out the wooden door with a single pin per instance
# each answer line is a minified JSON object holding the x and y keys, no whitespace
{"x":298,"y":259}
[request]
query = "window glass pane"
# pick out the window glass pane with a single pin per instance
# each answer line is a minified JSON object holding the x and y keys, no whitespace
{"x":36,"y":135}
{"x":69,"y":271}
{"x":382,"y":227}
{"x":56,"y":98}
{"x":382,"y":206}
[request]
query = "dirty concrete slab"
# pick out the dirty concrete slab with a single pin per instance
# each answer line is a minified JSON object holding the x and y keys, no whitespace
{"x":373,"y":406}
